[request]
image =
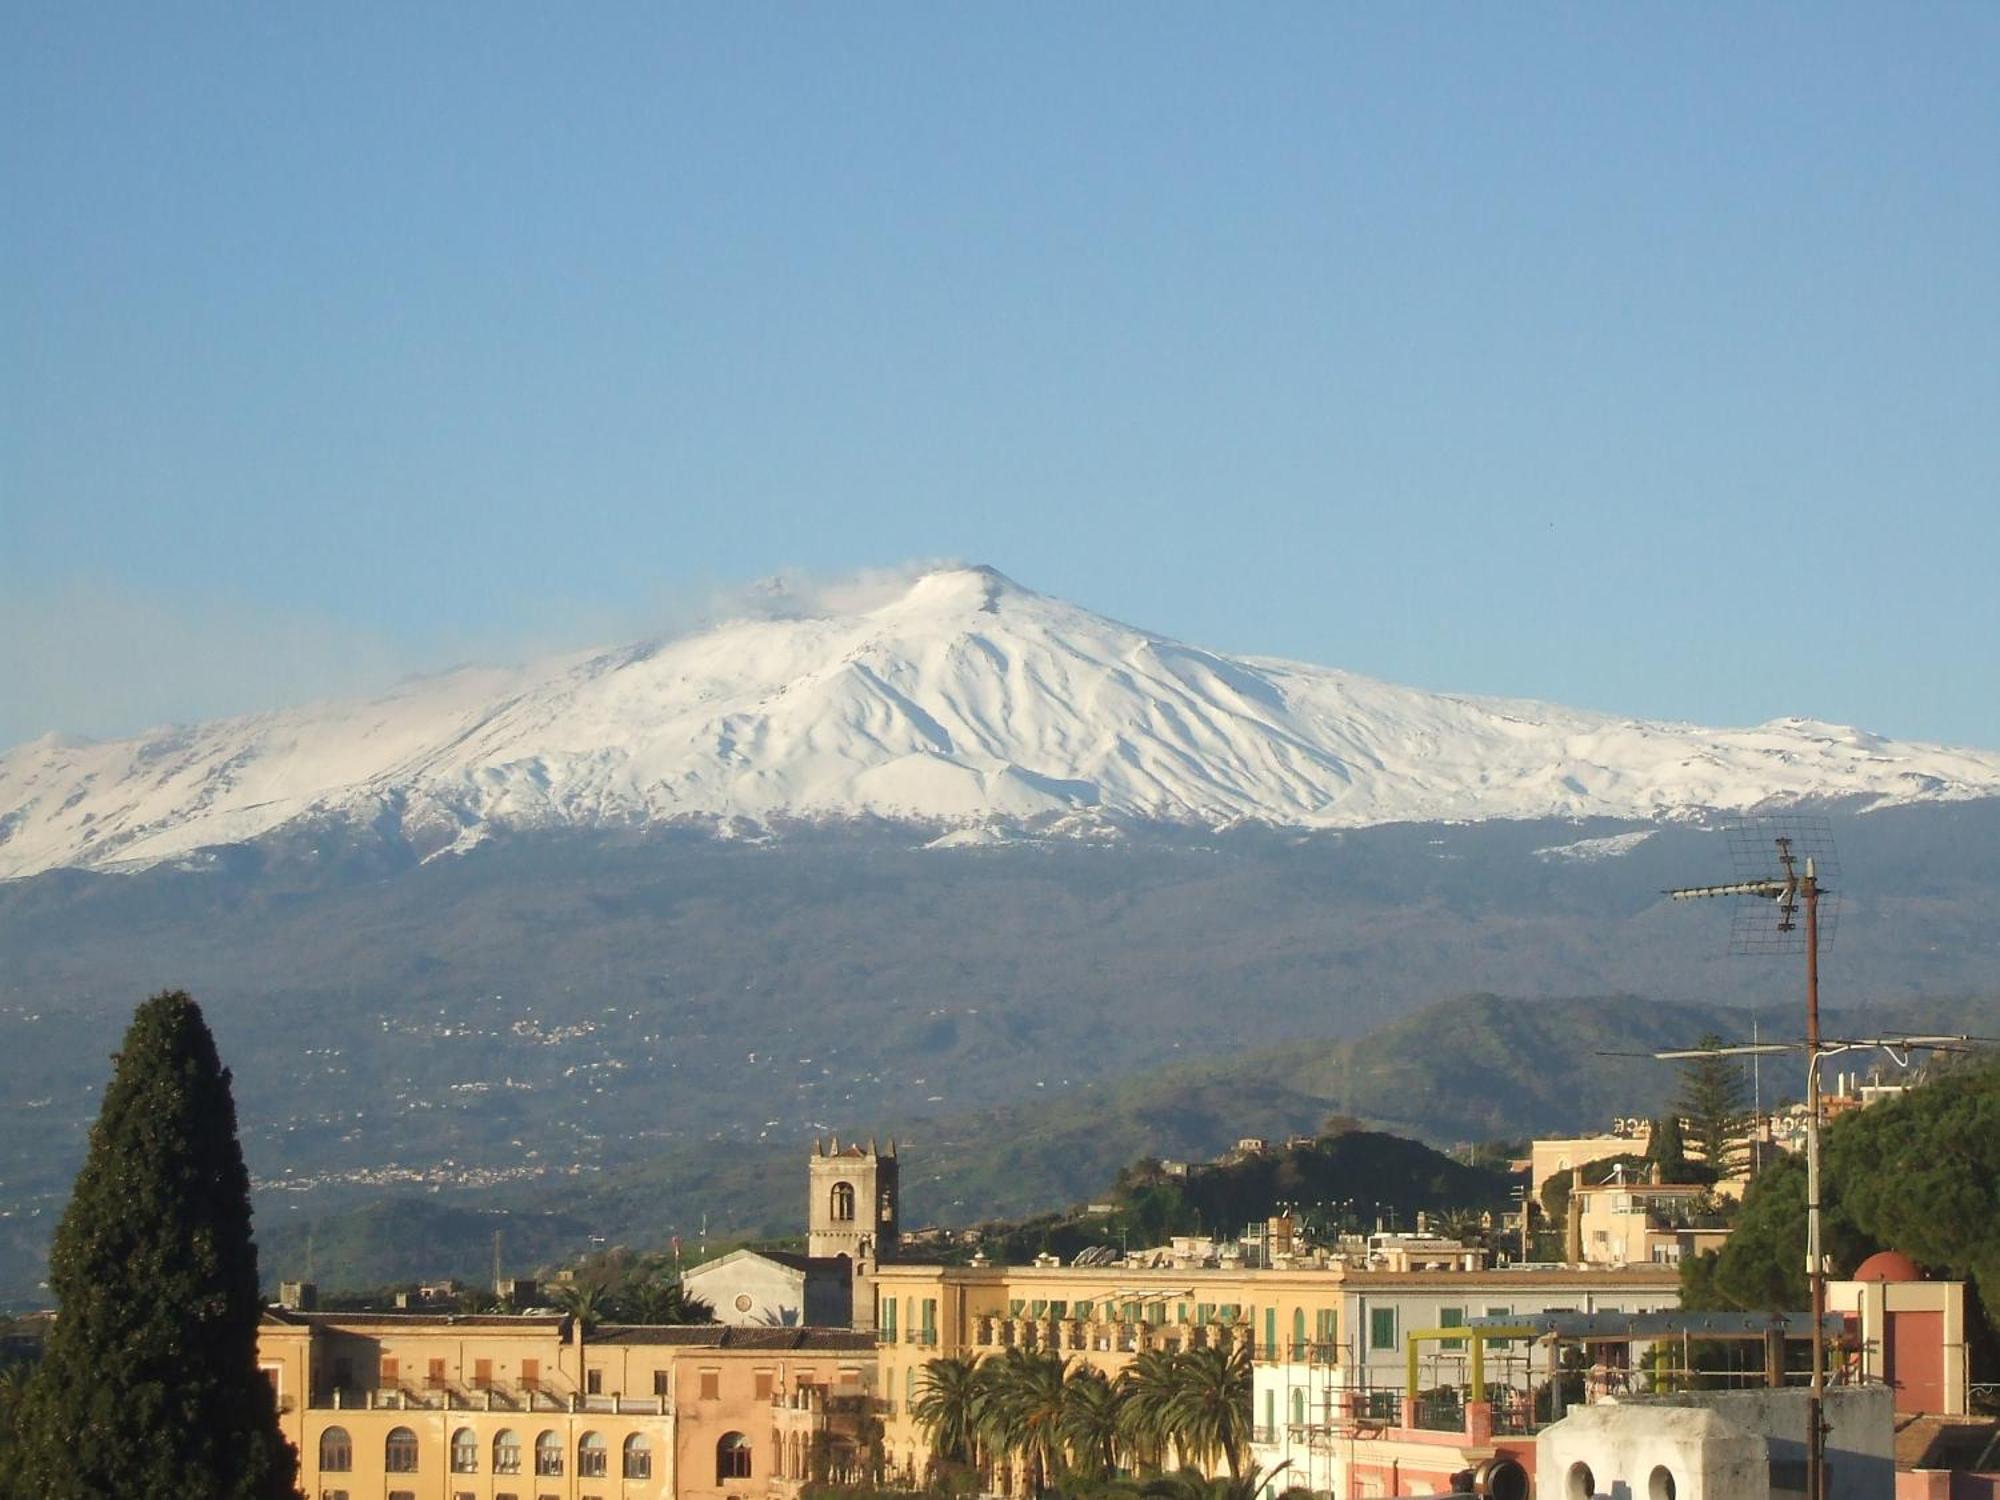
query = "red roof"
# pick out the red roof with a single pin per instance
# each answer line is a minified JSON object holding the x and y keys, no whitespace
{"x":1888,"y":1265}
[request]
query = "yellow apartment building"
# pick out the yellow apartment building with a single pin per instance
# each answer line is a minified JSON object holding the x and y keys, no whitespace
{"x":1330,"y":1342}
{"x":422,"y":1406}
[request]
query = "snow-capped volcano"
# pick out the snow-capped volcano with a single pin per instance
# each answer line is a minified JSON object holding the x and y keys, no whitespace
{"x":963,"y":701}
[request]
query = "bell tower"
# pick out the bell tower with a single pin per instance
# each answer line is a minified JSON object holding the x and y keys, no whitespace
{"x":853,"y":1209}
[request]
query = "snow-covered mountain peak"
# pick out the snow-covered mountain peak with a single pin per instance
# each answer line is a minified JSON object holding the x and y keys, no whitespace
{"x":954,"y":698}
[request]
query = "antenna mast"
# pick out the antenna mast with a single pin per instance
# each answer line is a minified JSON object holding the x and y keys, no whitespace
{"x":1804,"y":856}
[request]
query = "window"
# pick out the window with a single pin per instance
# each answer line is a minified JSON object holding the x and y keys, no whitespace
{"x":1298,"y":1328}
{"x":711,"y":1385}
{"x":1326,"y":1326}
{"x":1451,"y":1317}
{"x":638,"y":1457}
{"x":402,"y":1495}
{"x":548,"y":1456}
{"x":506,"y":1453}
{"x":1298,"y":1407}
{"x":593,"y":1382}
{"x":732,"y":1457}
{"x":1499,"y":1312}
{"x":1083,"y":1312}
{"x":531,"y":1374}
{"x":760,"y":1385}
{"x":660,"y":1383}
{"x":843,"y":1203}
{"x":434,"y":1378}
{"x":399,"y":1451}
{"x":930,"y":1320}
{"x":593,"y":1456}
{"x":465,"y":1451}
{"x":391,"y":1373}
{"x":1381,"y":1328}
{"x":1039,"y":1308}
{"x":888,"y":1320}
{"x":336,"y":1451}
{"x":1270,"y":1416}
{"x":1270,"y":1330}
{"x":482,"y":1374}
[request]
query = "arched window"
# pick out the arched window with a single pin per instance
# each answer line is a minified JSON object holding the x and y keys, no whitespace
{"x":638,"y":1457}
{"x":548,"y":1455}
{"x":465,"y":1451}
{"x":732,"y":1457}
{"x":593,"y":1456}
{"x":399,"y":1451}
{"x":336,"y":1451}
{"x":1298,"y":1333}
{"x":506,"y":1452}
{"x":843,"y":1203}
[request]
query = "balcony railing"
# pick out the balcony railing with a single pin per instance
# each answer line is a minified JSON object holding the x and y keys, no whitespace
{"x":488,"y":1398}
{"x":1438,"y":1413}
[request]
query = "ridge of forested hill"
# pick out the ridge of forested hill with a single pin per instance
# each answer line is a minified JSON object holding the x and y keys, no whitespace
{"x":1472,"y":1068}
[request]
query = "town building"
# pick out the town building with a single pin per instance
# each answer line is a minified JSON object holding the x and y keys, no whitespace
{"x":775,"y":1289}
{"x":406,"y":1406}
{"x":1330,"y":1340}
{"x":1644,"y":1223}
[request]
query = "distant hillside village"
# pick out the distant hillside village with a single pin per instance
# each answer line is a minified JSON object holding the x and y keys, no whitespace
{"x":1311,"y":1349}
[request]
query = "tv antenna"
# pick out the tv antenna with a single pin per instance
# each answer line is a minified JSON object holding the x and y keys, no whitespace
{"x":1781,"y":862}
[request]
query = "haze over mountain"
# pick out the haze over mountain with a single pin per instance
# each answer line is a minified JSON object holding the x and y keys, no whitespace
{"x":965,"y":703}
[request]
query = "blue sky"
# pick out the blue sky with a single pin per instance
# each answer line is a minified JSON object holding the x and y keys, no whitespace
{"x":1637,"y":357}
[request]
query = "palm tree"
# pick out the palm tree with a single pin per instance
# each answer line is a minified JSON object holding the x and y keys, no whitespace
{"x":951,"y":1399}
{"x":1210,"y":1408}
{"x":583,"y":1300}
{"x":662,"y":1299}
{"x":1090,"y":1424}
{"x":1192,"y":1484}
{"x":1146,"y":1390}
{"x":1023,"y":1412}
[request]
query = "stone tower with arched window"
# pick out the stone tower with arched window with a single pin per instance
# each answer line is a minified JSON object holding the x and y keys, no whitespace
{"x":854,"y":1209}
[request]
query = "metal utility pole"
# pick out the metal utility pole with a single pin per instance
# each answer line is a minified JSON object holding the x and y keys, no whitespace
{"x":1794,"y":885}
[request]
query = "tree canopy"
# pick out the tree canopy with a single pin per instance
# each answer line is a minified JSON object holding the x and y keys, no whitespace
{"x":1920,"y":1174}
{"x":149,"y":1382}
{"x":1711,"y":1101}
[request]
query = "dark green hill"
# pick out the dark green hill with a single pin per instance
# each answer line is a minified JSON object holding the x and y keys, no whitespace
{"x":1469,"y":1069}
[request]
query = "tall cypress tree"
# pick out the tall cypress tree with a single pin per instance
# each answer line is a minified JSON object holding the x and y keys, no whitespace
{"x":149,"y":1384}
{"x":1712,"y":1101}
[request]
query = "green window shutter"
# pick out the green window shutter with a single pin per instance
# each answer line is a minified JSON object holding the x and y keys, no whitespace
{"x":1270,"y":1332}
{"x":889,"y":1317}
{"x":1298,"y":1407}
{"x":1326,"y":1328}
{"x":1382,"y":1328}
{"x":1039,"y":1308}
{"x":1499,"y":1312}
{"x":1298,"y":1325}
{"x":1014,"y":1307}
{"x":1083,"y":1312}
{"x":1270,"y":1410}
{"x":1451,"y":1317}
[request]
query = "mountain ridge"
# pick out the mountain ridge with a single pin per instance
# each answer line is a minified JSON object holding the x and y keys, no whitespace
{"x":964,"y":702}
